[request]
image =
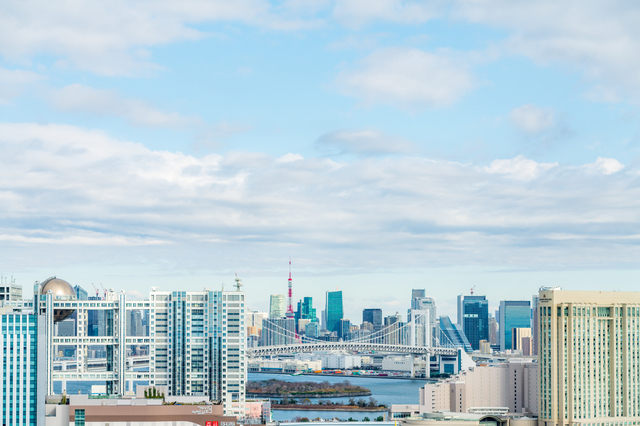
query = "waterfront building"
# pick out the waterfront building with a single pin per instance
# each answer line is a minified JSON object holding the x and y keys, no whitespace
{"x":589,"y":357}
{"x":453,"y":334}
{"x":277,"y":306}
{"x":334,"y":311}
{"x":196,"y":342}
{"x":513,"y":314}
{"x":9,"y":290}
{"x":473,"y":313}
{"x":512,"y":385}
{"x":22,"y":342}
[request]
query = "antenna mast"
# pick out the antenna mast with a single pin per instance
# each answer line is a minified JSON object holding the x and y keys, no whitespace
{"x":289,"y":313}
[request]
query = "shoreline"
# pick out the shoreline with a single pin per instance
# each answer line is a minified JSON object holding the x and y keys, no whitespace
{"x":314,"y":395}
{"x":345,"y":408}
{"x":368,"y":376}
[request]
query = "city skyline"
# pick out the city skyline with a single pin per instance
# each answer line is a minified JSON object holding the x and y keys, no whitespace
{"x":437,"y":145}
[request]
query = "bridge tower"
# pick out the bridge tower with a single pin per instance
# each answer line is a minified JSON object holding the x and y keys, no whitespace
{"x":289,"y":313}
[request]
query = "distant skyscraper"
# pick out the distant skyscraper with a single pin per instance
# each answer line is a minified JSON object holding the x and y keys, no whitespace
{"x":513,"y":314}
{"x":306,"y":311}
{"x":493,"y":331}
{"x":81,"y":293}
{"x":373,"y":316}
{"x":9,"y":290}
{"x":475,"y":319}
{"x":334,"y":310}
{"x":417,"y":293}
{"x":589,"y":357}
{"x":454,"y":334}
{"x":278,"y":331}
{"x":277,"y":306}
{"x":422,"y":320}
{"x":535,"y":317}
{"x":311,"y":330}
{"x":22,"y":346}
{"x":344,"y":330}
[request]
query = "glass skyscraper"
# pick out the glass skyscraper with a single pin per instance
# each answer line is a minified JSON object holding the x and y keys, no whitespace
{"x":475,"y":319}
{"x":513,"y":314}
{"x":23,"y":356}
{"x":334,"y":310}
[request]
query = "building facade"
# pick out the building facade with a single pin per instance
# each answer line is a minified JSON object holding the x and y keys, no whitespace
{"x":589,"y":357}
{"x":23,"y":358}
{"x":334,"y":310}
{"x":475,"y":318}
{"x":513,"y":314}
{"x":277,"y":306}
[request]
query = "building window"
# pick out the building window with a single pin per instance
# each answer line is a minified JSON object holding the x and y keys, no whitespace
{"x":79,"y":417}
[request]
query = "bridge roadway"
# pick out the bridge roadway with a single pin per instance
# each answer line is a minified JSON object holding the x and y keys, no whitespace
{"x":348,"y":346}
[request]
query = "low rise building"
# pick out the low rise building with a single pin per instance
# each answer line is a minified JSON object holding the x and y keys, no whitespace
{"x":512,"y":385}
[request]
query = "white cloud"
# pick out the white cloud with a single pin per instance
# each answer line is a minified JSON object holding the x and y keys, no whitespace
{"x":364,"y":142}
{"x":407,"y":78}
{"x":600,"y":40}
{"x":532,"y":119}
{"x":356,"y":13}
{"x":98,"y":199}
{"x":519,"y":167}
{"x":83,"y":99}
{"x":13,"y":82}
{"x":112,"y":38}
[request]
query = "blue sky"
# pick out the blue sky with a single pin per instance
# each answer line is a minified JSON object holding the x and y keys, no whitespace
{"x":383,"y":144}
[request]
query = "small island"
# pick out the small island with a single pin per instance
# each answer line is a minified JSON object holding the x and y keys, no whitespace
{"x":280,"y":389}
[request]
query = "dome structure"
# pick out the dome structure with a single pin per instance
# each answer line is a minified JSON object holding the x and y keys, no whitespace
{"x":61,"y":290}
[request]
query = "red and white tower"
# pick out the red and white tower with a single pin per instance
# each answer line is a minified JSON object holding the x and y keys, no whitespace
{"x":289,"y":313}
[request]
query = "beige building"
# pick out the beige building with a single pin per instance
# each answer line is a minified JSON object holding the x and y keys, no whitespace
{"x":521,"y":340}
{"x":589,"y":357}
{"x":510,"y":385}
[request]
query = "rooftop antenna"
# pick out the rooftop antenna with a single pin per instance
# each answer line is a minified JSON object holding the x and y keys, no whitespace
{"x":238,"y":283}
{"x":289,"y":313}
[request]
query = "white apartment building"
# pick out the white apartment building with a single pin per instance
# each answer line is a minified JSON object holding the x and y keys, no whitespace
{"x":512,"y":385}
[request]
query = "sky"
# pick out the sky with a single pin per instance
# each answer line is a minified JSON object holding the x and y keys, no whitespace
{"x":383,"y":145}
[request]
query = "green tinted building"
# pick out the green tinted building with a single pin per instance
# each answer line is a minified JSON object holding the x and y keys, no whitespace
{"x":334,"y":310}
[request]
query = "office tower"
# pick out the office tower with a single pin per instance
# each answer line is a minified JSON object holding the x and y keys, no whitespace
{"x":277,"y":306}
{"x":521,"y":340}
{"x":417,"y":293}
{"x":323,"y":319}
{"x":333,"y":309}
{"x":513,"y":314}
{"x":23,"y":361}
{"x":493,"y":331}
{"x":305,"y":311}
{"x":534,"y":325}
{"x":344,"y":329}
{"x":589,"y":357}
{"x":372,"y":316}
{"x":196,"y":340}
{"x":9,"y":290}
{"x":422,"y":320}
{"x":460,"y":311}
{"x":392,"y":329}
{"x":278,"y":332}
{"x":311,"y":330}
{"x":81,"y":293}
{"x":453,"y":334}
{"x":474,"y":311}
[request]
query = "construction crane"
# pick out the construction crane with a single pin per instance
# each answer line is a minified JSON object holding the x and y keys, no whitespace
{"x":96,"y":289}
{"x":472,"y":288}
{"x":105,"y":291}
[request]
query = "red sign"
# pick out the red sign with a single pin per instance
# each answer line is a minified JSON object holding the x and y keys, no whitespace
{"x":212,"y":424}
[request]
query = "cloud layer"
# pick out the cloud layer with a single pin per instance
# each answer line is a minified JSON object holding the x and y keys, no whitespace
{"x":68,"y":187}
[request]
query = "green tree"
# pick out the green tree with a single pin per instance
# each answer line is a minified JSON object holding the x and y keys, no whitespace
{"x":146,"y":394}
{"x":366,"y":419}
{"x":351,"y":419}
{"x":379,"y":419}
{"x":304,"y":420}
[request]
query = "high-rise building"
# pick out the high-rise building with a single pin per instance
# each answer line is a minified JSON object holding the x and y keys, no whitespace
{"x":344,"y":330}
{"x":474,"y":312}
{"x":422,"y":320}
{"x":334,"y":311}
{"x":196,"y":340}
{"x":372,"y":316}
{"x":278,"y":331}
{"x":454,"y":334}
{"x":521,"y":340}
{"x":311,"y":330}
{"x":305,"y":311}
{"x":589,"y":357}
{"x":417,"y":293}
{"x":23,"y":392}
{"x":535,"y":317}
{"x":9,"y":290}
{"x":81,"y":293}
{"x":513,"y":314}
{"x":277,"y":306}
{"x":493,"y":331}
